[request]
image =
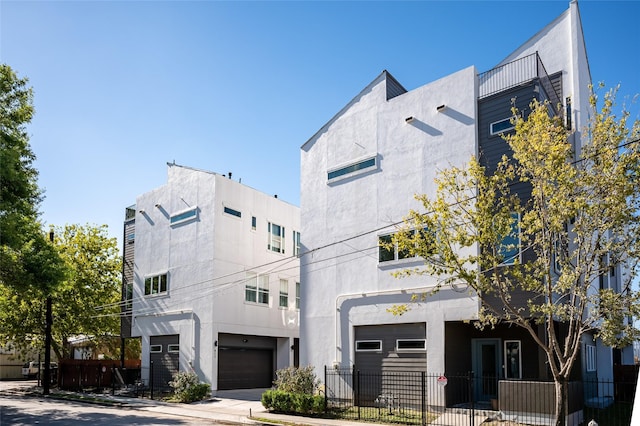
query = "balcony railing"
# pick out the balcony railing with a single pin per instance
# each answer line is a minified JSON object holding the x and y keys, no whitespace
{"x":516,"y":73}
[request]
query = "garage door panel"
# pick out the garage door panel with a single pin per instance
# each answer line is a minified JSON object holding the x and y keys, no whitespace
{"x":241,"y":368}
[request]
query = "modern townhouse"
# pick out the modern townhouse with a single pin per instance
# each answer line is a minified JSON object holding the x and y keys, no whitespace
{"x":359,"y":175}
{"x":211,"y":280}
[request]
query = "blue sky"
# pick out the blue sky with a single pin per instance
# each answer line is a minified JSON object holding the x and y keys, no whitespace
{"x":122,"y":88}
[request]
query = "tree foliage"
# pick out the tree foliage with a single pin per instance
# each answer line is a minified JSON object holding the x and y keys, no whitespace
{"x":26,"y":257}
{"x":548,"y":223}
{"x":92,"y":279}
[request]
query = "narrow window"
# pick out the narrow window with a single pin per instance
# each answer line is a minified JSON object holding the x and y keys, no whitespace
{"x":568,"y":113}
{"x":297,"y":295}
{"x":509,"y":248}
{"x":184,"y":216}
{"x":276,"y":238}
{"x":254,"y":223}
{"x":512,"y":359}
{"x":251,"y":288}
{"x":284,"y":293}
{"x":501,"y":126}
{"x":232,"y":212}
{"x":154,"y":349}
{"x":352,"y":169}
{"x":386,"y":253}
{"x":296,"y":243}
{"x":263,"y":289}
{"x":368,"y":345}
{"x":591,"y":358}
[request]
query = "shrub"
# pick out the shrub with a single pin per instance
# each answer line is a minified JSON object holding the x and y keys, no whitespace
{"x":297,"y":380}
{"x":295,"y":392}
{"x":187,"y":387}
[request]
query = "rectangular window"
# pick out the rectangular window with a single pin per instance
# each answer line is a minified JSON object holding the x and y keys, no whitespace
{"x":405,"y":345}
{"x":184,"y":216}
{"x":263,"y":289}
{"x":232,"y":212}
{"x":154,"y":349}
{"x":297,"y":295}
{"x":568,"y":113}
{"x":501,"y":126}
{"x":276,"y":238}
{"x":603,"y":272}
{"x":254,"y":223}
{"x":385,"y":253}
{"x":509,"y":248}
{"x":296,"y":243}
{"x":256,"y":288}
{"x":590,"y":358}
{"x":251,"y":288}
{"x":512,"y":359}
{"x":156,"y":284}
{"x":173,"y":349}
{"x":352,"y":169}
{"x":368,"y":345}
{"x":284,"y":294}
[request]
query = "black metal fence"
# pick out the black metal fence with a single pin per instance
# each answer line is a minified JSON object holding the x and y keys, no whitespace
{"x":421,"y":399}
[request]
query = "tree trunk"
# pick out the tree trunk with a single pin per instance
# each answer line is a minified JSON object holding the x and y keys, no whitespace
{"x":561,"y":393}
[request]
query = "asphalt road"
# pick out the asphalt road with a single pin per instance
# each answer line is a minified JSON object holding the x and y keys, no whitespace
{"x":17,"y":410}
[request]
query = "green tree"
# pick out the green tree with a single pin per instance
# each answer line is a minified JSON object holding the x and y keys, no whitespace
{"x":92,"y":279}
{"x":580,"y":220}
{"x":26,"y":257}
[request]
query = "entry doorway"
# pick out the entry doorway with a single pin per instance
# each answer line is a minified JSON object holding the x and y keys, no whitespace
{"x":486,"y":357}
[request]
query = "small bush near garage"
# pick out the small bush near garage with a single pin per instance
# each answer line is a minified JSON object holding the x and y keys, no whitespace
{"x":187,"y":387}
{"x":295,"y":391}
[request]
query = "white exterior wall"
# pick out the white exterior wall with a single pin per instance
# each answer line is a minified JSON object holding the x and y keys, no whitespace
{"x":206,"y":260}
{"x":343,"y":284}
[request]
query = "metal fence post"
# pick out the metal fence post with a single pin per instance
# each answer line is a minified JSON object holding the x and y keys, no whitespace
{"x":151,"y":380}
{"x":358,"y":391}
{"x":326,"y":389}
{"x":471,"y":399}
{"x":423,"y":398}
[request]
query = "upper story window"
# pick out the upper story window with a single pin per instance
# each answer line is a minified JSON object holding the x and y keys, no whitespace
{"x":387,"y":251}
{"x":184,"y":216}
{"x":509,"y":248}
{"x":232,"y":212}
{"x":156,"y":284}
{"x":276,"y":238}
{"x":284,"y":294}
{"x":498,"y":127}
{"x":297,"y":295}
{"x":254,"y":223}
{"x":352,"y":169}
{"x":257,"y":288}
{"x":296,"y":243}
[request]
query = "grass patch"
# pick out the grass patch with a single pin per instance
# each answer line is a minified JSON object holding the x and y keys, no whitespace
{"x":382,"y":415}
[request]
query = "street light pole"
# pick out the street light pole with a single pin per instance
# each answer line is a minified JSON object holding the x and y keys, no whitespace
{"x":46,"y":377}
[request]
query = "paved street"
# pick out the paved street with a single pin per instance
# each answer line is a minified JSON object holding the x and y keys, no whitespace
{"x":19,"y":410}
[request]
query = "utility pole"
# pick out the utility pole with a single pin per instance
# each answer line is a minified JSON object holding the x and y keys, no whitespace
{"x":46,"y":377}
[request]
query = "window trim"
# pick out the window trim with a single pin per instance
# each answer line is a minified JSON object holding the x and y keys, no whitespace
{"x":284,"y":295}
{"x":590,"y":360}
{"x":297,"y":294}
{"x":379,"y":344}
{"x":355,"y":168}
{"x":423,"y":349}
{"x":232,"y":212}
{"x":518,"y":248}
{"x":258,"y":286}
{"x":158,"y":290}
{"x":493,"y":132}
{"x":296,"y":243}
{"x":173,"y":348}
{"x":184,"y":216}
{"x":280,"y":237}
{"x":506,"y":361}
{"x":157,"y":350}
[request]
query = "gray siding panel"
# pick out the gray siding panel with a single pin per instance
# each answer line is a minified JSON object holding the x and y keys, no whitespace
{"x":128,"y":250}
{"x":394,"y":88}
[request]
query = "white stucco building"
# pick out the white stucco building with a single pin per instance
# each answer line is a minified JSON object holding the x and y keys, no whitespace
{"x":215,"y":280}
{"x":359,"y":175}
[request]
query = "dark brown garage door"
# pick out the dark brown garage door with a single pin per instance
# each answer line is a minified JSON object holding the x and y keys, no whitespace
{"x":240,"y":368}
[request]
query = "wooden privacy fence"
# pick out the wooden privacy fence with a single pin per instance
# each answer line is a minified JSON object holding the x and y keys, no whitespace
{"x":75,"y":374}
